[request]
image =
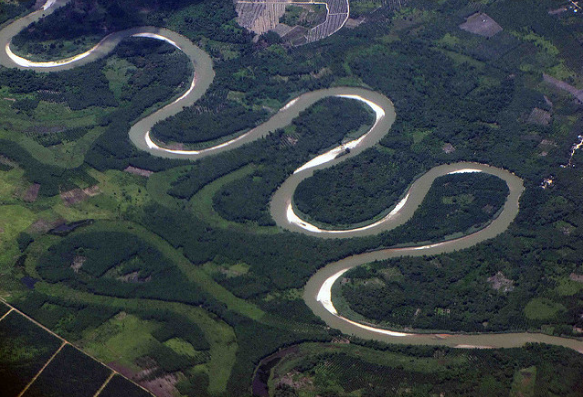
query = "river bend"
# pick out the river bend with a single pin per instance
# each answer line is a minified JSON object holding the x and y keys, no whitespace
{"x":317,"y":293}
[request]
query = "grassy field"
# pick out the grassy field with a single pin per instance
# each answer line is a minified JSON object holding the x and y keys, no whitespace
{"x":118,"y":72}
{"x":182,"y":347}
{"x":32,"y":357}
{"x":121,"y":201}
{"x":220,"y":336}
{"x":542,"y":309}
{"x":13,"y":220}
{"x":193,"y":273}
{"x":122,"y":339}
{"x":524,"y":383}
{"x":23,"y":126}
{"x":104,"y":342}
{"x":12,"y":185}
{"x":160,"y":182}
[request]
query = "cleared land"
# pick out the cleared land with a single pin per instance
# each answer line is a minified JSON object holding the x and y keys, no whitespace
{"x":482,"y":25}
{"x":70,"y":373}
{"x":118,"y":386}
{"x":578,"y":94}
{"x":241,"y":272}
{"x":264,"y":15}
{"x":36,"y":362}
{"x":24,"y":349}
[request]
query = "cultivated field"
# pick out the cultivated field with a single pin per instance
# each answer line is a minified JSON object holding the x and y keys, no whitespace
{"x":262,"y":16}
{"x":36,"y":362}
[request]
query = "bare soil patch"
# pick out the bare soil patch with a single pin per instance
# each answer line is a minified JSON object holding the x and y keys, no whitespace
{"x":548,"y":142}
{"x":139,"y":171}
{"x":352,"y":23}
{"x":448,"y":148}
{"x":501,"y":283}
{"x":282,"y":29}
{"x":261,"y":16}
{"x":78,"y":262}
{"x":295,"y":380}
{"x":578,"y":94}
{"x":539,"y":116}
{"x":488,"y":209}
{"x":481,"y":24}
{"x":162,"y":386}
{"x":43,"y":226}
{"x":92,"y":191}
{"x":8,"y":162}
{"x":31,"y":193}
{"x":134,"y":278}
{"x":44,"y":130}
{"x":559,"y":10}
{"x":73,"y":196}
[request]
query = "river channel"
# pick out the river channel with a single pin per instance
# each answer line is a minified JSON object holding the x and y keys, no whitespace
{"x":317,"y":293}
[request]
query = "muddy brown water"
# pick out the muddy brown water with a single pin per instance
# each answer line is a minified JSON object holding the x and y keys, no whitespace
{"x":203,"y":77}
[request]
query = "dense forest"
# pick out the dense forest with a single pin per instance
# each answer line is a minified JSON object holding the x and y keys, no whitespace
{"x":206,"y":299}
{"x":12,"y":9}
{"x":81,"y":23}
{"x":342,"y":370}
{"x":214,"y":117}
{"x":321,"y":127}
{"x":351,"y":193}
{"x":521,"y":285}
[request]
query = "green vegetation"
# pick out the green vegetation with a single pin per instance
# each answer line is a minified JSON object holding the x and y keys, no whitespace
{"x":342,"y":204}
{"x":347,"y":370}
{"x":11,"y":9}
{"x":183,"y":273}
{"x":214,"y":117}
{"x":202,"y":203}
{"x":524,"y":383}
{"x":332,"y":197}
{"x":315,"y":130}
{"x":82,"y":103}
{"x":455,"y":204}
{"x":122,"y":339}
{"x":542,"y":309}
{"x":67,"y":32}
{"x":307,"y":16}
{"x":13,"y":220}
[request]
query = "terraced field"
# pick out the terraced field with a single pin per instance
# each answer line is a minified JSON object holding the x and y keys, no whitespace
{"x":261,"y":16}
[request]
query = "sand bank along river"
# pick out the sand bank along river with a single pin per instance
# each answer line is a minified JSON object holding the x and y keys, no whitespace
{"x":317,"y":292}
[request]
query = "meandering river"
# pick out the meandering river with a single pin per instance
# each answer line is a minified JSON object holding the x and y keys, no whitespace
{"x":317,"y":293}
